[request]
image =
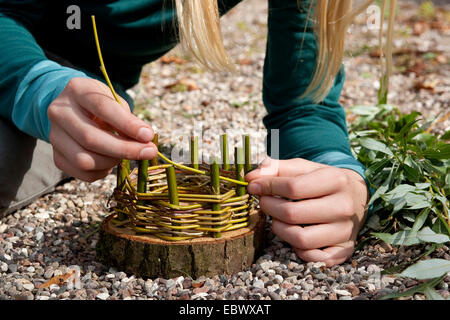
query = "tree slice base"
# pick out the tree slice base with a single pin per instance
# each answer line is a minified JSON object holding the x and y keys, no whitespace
{"x":149,"y":256}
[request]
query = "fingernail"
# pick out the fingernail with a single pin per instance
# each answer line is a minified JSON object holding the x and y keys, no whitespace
{"x":147,"y":153}
{"x":145,"y":134}
{"x":254,"y":188}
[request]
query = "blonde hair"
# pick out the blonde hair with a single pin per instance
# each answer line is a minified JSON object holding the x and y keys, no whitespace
{"x":200,"y":34}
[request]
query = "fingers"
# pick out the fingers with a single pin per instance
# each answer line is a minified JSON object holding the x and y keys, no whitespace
{"x":81,"y":158}
{"x":331,"y":256}
{"x":87,"y":134}
{"x":98,"y":101}
{"x":316,"y":236}
{"x":318,"y":183}
{"x":320,"y":210}
{"x":65,"y":165}
{"x":283,"y":168}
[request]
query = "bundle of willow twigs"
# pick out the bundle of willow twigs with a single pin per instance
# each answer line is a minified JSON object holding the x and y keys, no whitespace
{"x":177,"y":202}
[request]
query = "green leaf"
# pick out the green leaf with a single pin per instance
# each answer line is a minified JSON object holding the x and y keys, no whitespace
{"x":426,"y":138}
{"x":420,"y":220}
{"x":439,"y":227}
{"x":401,"y":238}
{"x":442,"y":152}
{"x":412,"y":169}
{"x":418,"y":200}
{"x":374,"y":222}
{"x":376,"y":167}
{"x":432,"y":294}
{"x":428,"y":235}
{"x":427,"y":269}
{"x":443,"y":200}
{"x":399,"y":204}
{"x":409,"y":125}
{"x":365,"y":110}
{"x":422,"y":185}
{"x":375,"y":145}
{"x":427,"y":165}
{"x":446,"y":136}
{"x":409,"y":215}
{"x":365,"y":133}
{"x":380,"y":191}
{"x":419,"y":288}
{"x":401,"y":190}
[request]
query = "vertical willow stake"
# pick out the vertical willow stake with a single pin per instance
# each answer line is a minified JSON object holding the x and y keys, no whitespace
{"x":248,"y":165}
{"x":142,"y":178}
{"x":194,"y":152}
{"x":154,"y":161}
{"x":215,"y":188}
{"x":172,"y":184}
{"x":239,"y":165}
{"x":225,"y":155}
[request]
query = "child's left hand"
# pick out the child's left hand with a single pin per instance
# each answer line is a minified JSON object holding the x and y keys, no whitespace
{"x":323,"y":226}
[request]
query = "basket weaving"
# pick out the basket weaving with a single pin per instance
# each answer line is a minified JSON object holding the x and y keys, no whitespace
{"x":171,"y":219}
{"x":185,"y":202}
{"x":181,"y":202}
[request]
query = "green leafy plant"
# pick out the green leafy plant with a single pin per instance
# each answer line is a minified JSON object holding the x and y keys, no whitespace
{"x":408,"y":168}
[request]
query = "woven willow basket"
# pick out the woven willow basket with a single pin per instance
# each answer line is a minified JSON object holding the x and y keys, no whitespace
{"x":183,"y":202}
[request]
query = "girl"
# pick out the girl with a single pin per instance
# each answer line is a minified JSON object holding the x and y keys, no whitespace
{"x":51,"y":90}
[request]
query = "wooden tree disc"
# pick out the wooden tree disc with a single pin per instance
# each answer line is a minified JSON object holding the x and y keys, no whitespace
{"x":149,"y":256}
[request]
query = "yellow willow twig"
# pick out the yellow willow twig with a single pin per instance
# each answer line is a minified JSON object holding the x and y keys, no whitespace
{"x":203,"y":172}
{"x":102,"y":64}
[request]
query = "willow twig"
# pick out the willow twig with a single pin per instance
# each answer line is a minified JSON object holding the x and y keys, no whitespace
{"x":215,"y":188}
{"x":248,"y":165}
{"x":239,"y":165}
{"x":194,"y":152}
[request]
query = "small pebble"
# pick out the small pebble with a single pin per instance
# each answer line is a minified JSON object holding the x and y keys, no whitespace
{"x":258,"y":284}
{"x":103,"y":296}
{"x":342,"y":292}
{"x":28,"y":286}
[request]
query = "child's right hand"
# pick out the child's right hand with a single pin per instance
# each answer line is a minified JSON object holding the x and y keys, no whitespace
{"x":83,"y":118}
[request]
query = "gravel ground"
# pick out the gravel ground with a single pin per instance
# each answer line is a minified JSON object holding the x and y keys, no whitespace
{"x":57,"y":233}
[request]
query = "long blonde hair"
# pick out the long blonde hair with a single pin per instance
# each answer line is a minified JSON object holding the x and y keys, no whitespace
{"x":200,"y":34}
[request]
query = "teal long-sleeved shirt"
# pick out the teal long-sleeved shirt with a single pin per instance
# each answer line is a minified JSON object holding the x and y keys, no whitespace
{"x":137,"y":32}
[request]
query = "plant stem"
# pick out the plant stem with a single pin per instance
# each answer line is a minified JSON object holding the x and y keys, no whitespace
{"x":102,"y":64}
{"x":248,"y":166}
{"x":239,"y":165}
{"x":123,"y":170}
{"x":142,"y":178}
{"x":215,"y":188}
{"x":172,"y":185}
{"x":194,"y":152}
{"x":154,"y":161}
{"x":124,"y":163}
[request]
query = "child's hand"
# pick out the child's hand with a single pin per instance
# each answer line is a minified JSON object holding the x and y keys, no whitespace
{"x":83,"y":118}
{"x":331,"y":212}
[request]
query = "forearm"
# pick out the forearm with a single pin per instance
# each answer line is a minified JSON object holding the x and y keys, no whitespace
{"x":30,"y":82}
{"x":309,"y":130}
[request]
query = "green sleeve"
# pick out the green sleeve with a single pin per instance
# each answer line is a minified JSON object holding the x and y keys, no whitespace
{"x":306,"y":129}
{"x":19,"y":51}
{"x":313,"y":131}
